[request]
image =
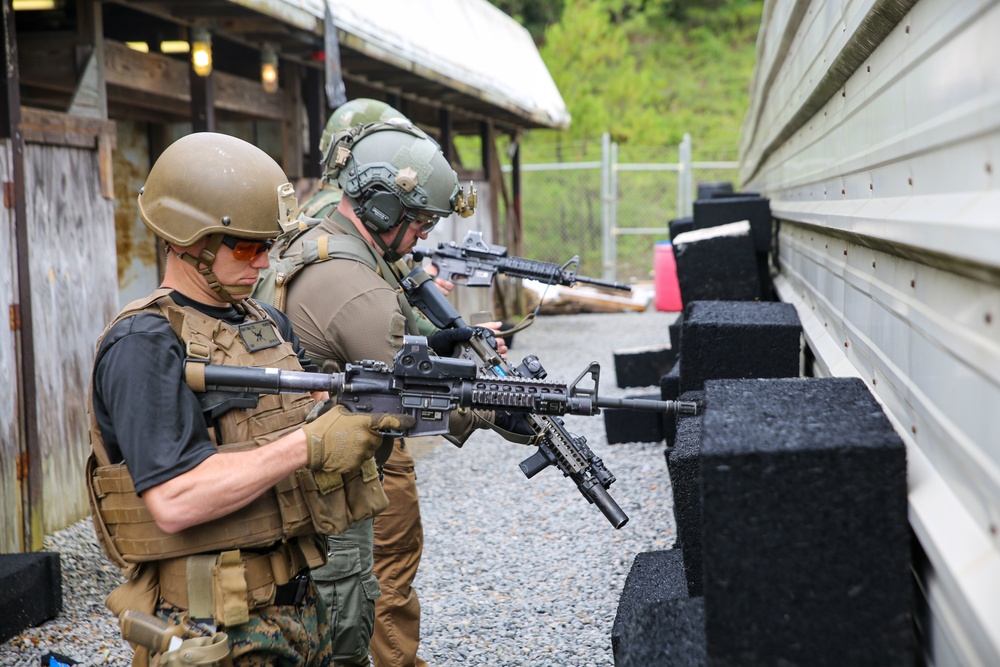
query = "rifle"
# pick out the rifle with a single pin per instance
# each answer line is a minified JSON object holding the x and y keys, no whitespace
{"x":556,"y":446}
{"x":426,"y":387}
{"x":475,"y":263}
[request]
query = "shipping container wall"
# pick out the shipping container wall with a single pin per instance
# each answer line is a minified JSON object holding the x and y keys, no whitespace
{"x":875,"y":130}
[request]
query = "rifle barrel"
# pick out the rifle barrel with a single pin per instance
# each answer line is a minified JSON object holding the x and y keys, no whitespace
{"x":646,"y":404}
{"x":624,"y":287}
{"x":271,"y":379}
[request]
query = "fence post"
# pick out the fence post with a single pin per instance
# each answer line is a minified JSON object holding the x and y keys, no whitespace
{"x":685,"y":178}
{"x":607,"y":265}
{"x":611,"y":260}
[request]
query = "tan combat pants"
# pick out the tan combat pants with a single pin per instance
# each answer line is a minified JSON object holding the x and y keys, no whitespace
{"x":399,"y":542}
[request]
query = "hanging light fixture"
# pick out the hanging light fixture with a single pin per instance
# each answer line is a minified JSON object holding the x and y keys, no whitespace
{"x":269,"y":69}
{"x":201,"y":51}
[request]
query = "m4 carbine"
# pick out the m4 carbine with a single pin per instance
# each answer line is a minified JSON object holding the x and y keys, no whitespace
{"x":475,"y":263}
{"x":556,"y":445}
{"x":429,"y":388}
{"x":425,"y":387}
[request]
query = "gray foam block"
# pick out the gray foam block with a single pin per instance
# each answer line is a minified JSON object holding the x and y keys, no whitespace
{"x":670,"y":389}
{"x":717,"y":263}
{"x":684,"y":462}
{"x":623,"y":425}
{"x":723,"y":210}
{"x":739,"y":339}
{"x":643,"y":366}
{"x":678,"y":226}
{"x":805,"y":537}
{"x":657,"y":623}
{"x":30,"y":591}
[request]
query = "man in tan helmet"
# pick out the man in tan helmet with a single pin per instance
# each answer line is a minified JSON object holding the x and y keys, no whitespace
{"x":395,"y":185}
{"x":212,"y":509}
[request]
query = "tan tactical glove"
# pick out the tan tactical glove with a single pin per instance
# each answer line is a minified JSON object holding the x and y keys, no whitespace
{"x":340,"y":441}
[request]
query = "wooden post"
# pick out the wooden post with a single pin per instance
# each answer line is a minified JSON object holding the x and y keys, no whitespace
{"x":202,"y":102}
{"x":22,"y":312}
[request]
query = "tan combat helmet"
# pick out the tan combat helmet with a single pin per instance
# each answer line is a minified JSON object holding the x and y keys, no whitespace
{"x":215,"y":185}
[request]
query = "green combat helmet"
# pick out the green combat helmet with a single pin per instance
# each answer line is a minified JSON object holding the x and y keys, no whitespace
{"x":394,"y":175}
{"x":360,"y":111}
{"x":213,"y":185}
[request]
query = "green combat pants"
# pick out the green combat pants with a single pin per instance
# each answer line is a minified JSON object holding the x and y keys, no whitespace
{"x":349,"y":589}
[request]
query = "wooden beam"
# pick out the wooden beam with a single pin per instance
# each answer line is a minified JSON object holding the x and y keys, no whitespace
{"x":53,"y":128}
{"x":155,"y":79}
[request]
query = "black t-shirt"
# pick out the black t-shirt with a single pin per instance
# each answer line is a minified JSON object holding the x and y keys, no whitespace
{"x":147,"y":414}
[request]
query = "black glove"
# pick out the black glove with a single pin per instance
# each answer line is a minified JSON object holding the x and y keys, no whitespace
{"x":443,"y":342}
{"x":515,"y":422}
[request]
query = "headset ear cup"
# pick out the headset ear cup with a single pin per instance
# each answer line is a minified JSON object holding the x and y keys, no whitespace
{"x":381,"y":212}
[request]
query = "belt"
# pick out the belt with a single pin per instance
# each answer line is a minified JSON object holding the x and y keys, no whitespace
{"x":281,"y":571}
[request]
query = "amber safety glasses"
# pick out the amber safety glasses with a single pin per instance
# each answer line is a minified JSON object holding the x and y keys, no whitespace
{"x":246,"y":250}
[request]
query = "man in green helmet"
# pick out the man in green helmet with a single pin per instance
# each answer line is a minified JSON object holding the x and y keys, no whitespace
{"x":209,"y":509}
{"x":394,"y":185}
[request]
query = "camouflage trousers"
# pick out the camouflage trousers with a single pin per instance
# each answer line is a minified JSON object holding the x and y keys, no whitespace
{"x":349,"y":589}
{"x":279,"y":635}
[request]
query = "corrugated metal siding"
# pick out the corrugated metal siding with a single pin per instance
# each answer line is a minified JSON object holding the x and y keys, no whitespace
{"x":74,"y":294}
{"x":10,"y":489}
{"x":882,"y":172}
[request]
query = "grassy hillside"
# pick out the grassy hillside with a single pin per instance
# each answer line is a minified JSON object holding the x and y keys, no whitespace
{"x":646,"y":72}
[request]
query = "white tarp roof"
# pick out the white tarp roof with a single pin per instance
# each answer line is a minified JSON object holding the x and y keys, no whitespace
{"x":470,"y":45}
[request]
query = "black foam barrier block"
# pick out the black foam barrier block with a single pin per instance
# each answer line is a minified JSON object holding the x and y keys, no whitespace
{"x":675,"y":332}
{"x":717,"y":263}
{"x":805,"y":538}
{"x":657,"y":623}
{"x":643,"y":366}
{"x":684,"y":462}
{"x":721,"y":211}
{"x":678,"y":226}
{"x":624,"y":425}
{"x":739,"y":339}
{"x":30,"y":591}
{"x":714,"y":189}
{"x":670,"y":389}
{"x":731,"y":195}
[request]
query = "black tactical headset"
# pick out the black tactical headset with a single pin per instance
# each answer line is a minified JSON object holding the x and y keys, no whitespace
{"x":380,"y":211}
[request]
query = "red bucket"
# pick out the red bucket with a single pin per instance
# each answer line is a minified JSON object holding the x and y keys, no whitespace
{"x":666,"y":289}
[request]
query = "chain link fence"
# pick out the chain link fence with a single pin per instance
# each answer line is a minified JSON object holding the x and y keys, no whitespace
{"x":611,"y":212}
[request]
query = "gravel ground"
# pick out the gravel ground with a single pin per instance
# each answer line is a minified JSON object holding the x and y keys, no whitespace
{"x":515,"y":571}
